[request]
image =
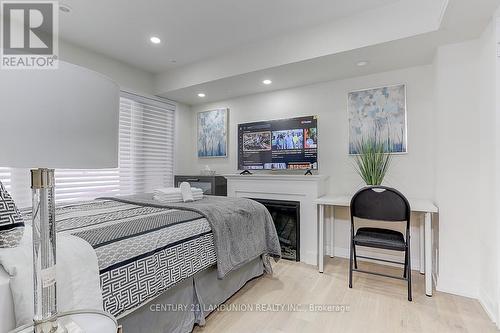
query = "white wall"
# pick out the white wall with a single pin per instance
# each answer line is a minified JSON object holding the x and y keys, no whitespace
{"x":412,"y":173}
{"x":497,"y":161}
{"x":185,"y":138}
{"x":466,"y":168}
{"x":488,"y":249}
{"x":457,"y":167}
{"x":467,"y":76}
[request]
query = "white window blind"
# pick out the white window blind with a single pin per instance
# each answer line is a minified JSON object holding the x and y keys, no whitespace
{"x":146,"y":149}
{"x":17,"y":183}
{"x":5,"y":178}
{"x":77,"y":185}
{"x":146,"y":144}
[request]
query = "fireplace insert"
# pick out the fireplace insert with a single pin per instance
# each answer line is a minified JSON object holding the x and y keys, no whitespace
{"x":286,"y":217}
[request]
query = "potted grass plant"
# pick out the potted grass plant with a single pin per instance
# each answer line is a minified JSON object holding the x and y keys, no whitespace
{"x":372,"y":159}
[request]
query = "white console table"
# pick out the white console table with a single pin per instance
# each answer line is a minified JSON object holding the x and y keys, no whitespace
{"x":426,"y":207}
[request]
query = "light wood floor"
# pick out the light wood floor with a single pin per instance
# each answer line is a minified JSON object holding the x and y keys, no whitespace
{"x":375,"y":304}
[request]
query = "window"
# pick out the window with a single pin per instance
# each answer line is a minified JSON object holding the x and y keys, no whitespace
{"x":146,"y":144}
{"x":77,"y":185}
{"x":146,"y":150}
{"x":17,"y":182}
{"x":5,"y":177}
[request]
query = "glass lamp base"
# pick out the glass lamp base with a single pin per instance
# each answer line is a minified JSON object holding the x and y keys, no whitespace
{"x":50,"y":327}
{"x":44,"y":253}
{"x":65,"y":325}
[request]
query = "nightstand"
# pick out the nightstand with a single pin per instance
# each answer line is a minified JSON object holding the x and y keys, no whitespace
{"x":211,"y":185}
{"x":89,"y":321}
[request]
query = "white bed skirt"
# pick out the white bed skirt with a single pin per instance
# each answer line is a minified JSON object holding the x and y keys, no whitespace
{"x":177,"y":309}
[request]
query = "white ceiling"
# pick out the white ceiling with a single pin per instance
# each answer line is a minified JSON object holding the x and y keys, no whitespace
{"x":399,"y":54}
{"x":191,"y":30}
{"x":225,"y":48}
{"x":459,"y":20}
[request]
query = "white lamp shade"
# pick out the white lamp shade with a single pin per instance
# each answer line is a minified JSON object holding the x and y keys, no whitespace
{"x":62,"y":118}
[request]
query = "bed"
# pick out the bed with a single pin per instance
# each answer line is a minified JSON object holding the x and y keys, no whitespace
{"x":151,"y":256}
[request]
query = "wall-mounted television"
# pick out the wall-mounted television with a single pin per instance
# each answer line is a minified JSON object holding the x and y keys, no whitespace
{"x":284,"y":144}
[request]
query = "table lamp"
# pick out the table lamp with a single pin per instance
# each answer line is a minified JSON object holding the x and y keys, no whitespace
{"x":57,"y":118}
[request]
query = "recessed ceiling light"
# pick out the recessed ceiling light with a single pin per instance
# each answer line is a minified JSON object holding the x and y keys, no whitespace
{"x":64,"y":8}
{"x":155,"y":40}
{"x":267,"y":82}
{"x":201,"y":95}
{"x":362,"y":63}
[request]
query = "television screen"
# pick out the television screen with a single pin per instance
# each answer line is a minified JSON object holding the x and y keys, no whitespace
{"x":287,"y":144}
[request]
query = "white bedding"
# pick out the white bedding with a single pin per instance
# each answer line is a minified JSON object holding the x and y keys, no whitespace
{"x":8,"y":321}
{"x":78,"y":285}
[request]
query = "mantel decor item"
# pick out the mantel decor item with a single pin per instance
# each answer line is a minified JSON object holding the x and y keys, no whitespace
{"x":381,"y":110}
{"x":207,"y":171}
{"x":60,"y":118}
{"x":212,"y":133}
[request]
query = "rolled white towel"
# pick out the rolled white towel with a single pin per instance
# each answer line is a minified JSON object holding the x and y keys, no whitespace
{"x":174,"y":194}
{"x":187,"y":195}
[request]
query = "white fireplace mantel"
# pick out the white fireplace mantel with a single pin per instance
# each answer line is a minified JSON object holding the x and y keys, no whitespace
{"x":304,"y":189}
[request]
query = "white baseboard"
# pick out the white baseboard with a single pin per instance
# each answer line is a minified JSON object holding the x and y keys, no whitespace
{"x":309,"y":257}
{"x":488,"y":305}
{"x":445,"y":288}
{"x":486,"y":301}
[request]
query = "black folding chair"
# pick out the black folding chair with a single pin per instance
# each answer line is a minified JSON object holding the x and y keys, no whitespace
{"x":382,"y":204}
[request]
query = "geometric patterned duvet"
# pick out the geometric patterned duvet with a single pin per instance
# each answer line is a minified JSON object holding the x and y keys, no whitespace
{"x":141,"y":251}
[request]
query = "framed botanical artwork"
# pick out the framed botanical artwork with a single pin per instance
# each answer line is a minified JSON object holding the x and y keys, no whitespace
{"x":378,"y":113}
{"x":212,"y":133}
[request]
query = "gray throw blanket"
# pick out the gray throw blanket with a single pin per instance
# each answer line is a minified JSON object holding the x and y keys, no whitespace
{"x":243,"y":229}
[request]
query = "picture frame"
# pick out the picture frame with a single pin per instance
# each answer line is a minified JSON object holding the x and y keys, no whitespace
{"x":380,"y":111}
{"x":212,"y":133}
